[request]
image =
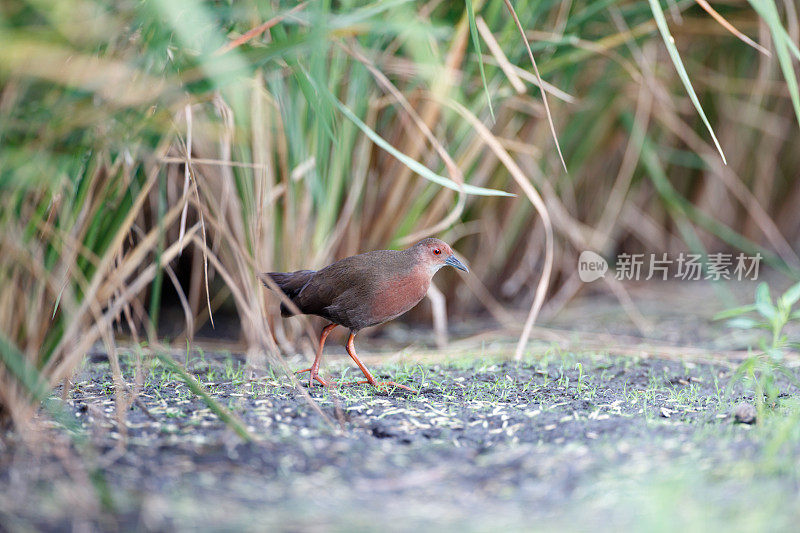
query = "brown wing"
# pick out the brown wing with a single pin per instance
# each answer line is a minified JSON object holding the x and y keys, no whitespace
{"x":343,"y":291}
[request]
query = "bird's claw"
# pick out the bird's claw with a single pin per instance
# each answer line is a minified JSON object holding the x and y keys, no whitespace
{"x":330,"y":383}
{"x":315,"y":377}
{"x":382,"y":384}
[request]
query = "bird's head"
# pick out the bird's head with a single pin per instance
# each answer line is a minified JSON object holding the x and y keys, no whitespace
{"x":435,"y":254}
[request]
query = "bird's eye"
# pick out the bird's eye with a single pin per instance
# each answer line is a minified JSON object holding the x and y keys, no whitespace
{"x":437,"y":251}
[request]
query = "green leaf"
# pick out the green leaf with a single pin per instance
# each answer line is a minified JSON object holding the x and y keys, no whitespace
{"x":744,"y":322}
{"x":774,"y":353}
{"x":736,"y":311}
{"x":473,"y":30}
{"x":791,"y":296}
{"x":764,"y":302}
{"x":669,"y":42}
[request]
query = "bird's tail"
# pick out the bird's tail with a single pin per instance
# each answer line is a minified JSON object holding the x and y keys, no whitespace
{"x":291,"y":283}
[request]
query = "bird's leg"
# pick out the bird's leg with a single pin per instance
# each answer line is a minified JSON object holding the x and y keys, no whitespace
{"x":315,"y":365}
{"x":351,"y":350}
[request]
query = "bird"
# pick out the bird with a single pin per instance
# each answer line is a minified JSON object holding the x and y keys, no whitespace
{"x":361,"y":291}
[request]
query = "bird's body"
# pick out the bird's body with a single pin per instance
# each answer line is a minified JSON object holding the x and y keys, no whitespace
{"x":365,"y":290}
{"x":359,"y":291}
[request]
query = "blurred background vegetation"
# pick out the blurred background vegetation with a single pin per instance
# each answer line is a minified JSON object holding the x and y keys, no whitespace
{"x":158,"y":154}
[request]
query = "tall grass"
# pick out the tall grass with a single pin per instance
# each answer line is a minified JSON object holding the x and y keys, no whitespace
{"x":250,"y":136}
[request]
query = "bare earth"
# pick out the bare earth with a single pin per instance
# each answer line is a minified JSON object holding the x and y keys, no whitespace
{"x":585,"y":440}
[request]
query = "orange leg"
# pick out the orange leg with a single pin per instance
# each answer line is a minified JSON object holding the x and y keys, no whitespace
{"x":315,"y":365}
{"x":351,"y":350}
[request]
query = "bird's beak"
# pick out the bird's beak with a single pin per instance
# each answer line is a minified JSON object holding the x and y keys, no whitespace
{"x":455,"y":263}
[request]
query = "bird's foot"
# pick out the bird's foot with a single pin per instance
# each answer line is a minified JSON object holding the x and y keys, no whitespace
{"x":381,"y":384}
{"x":316,"y":377}
{"x":330,"y":383}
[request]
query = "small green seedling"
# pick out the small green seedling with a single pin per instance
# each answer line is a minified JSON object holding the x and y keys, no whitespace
{"x":579,"y":368}
{"x":762,"y":368}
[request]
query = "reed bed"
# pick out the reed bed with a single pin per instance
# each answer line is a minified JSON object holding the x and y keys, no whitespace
{"x":191,"y":145}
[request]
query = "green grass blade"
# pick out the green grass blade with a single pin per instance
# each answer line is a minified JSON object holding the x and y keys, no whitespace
{"x":22,"y":369}
{"x":321,"y":113}
{"x":764,"y":302}
{"x":415,"y":166}
{"x":791,"y":296}
{"x":769,"y":12}
{"x":763,"y":11}
{"x":735,"y":312}
{"x":669,"y":42}
{"x":473,"y":30}
{"x":226,"y":416}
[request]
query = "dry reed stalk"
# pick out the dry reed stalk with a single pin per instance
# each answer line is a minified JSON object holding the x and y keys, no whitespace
{"x":544,"y":98}
{"x":430,"y":113}
{"x":731,"y":28}
{"x":536,"y":201}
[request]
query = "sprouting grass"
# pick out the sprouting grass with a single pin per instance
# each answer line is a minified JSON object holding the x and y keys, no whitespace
{"x":585,"y":427}
{"x":763,"y":369}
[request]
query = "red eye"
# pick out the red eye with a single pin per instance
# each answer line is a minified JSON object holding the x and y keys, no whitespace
{"x":437,"y":251}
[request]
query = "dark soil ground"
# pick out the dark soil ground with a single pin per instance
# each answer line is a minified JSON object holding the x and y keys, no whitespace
{"x":558,"y":441}
{"x":571,"y":438}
